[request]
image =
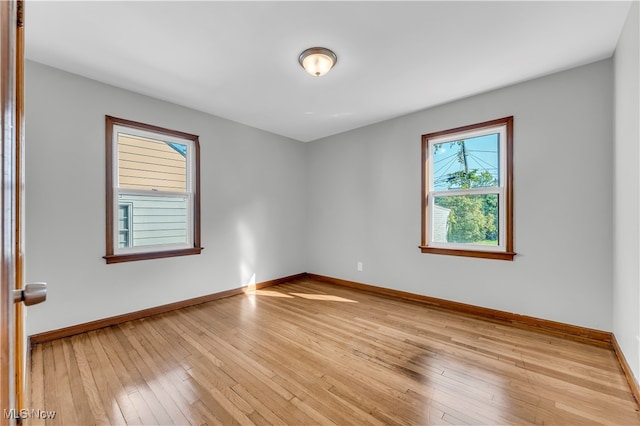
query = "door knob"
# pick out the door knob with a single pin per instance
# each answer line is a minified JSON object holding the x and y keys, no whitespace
{"x":32,"y":294}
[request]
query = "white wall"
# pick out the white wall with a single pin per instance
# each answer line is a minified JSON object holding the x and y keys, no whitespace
{"x":364,"y":205}
{"x":626,"y":254}
{"x":253,"y":208}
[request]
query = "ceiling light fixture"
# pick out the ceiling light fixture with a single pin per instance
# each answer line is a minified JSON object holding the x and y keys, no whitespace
{"x":317,"y":61}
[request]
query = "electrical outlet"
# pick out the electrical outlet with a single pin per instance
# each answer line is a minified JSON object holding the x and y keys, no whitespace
{"x":359,"y":266}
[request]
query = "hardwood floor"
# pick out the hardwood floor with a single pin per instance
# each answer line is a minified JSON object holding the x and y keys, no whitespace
{"x":308,"y":352}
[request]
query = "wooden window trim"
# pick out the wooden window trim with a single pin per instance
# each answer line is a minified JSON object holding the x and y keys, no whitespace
{"x":508,"y":253}
{"x":110,"y":257}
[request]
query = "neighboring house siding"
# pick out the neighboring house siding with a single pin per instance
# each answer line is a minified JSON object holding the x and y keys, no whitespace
{"x":151,"y":165}
{"x":157,"y":220}
{"x":440,"y":223}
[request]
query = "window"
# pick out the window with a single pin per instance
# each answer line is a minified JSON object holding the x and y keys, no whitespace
{"x":153,"y":192}
{"x":467,"y":194}
{"x":124,"y":224}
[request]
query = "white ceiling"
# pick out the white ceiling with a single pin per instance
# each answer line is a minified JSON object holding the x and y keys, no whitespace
{"x":239,"y":60}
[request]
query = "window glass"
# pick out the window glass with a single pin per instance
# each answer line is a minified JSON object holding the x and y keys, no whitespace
{"x":467,"y":163}
{"x":157,"y":220}
{"x":149,"y":164}
{"x":466,"y":219}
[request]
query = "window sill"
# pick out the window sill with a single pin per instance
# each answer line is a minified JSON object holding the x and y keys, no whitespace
{"x":119,"y":258}
{"x":499,"y":255}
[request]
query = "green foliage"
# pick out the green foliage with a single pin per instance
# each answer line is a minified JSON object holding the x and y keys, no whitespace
{"x":490,"y":210}
{"x":470,"y":179}
{"x":471,"y":219}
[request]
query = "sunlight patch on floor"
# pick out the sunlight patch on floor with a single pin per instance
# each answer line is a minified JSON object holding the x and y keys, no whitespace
{"x":326,"y":297}
{"x":309,"y":296}
{"x":271,"y":293}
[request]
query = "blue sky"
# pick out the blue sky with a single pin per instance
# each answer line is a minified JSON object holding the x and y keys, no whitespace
{"x":482,"y":155}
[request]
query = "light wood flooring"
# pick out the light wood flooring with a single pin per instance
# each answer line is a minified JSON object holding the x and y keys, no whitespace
{"x":307,"y":352}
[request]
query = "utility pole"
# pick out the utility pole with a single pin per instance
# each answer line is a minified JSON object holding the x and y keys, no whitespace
{"x":464,"y":158}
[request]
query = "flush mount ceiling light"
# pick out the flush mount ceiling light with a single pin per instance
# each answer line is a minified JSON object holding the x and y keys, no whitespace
{"x":317,"y":61}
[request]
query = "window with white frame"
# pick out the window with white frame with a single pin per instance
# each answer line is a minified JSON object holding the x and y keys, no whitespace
{"x":153,"y":198}
{"x":467,"y":207}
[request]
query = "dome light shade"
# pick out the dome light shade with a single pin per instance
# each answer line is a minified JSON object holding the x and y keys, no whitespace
{"x":317,"y":61}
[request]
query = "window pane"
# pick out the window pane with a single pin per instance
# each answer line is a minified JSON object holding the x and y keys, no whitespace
{"x":468,"y":163}
{"x":150,"y":164}
{"x":124,"y":224}
{"x":156,"y":220}
{"x":466,"y":219}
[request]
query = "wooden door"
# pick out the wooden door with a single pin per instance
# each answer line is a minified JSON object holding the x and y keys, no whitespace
{"x":12,"y":338}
